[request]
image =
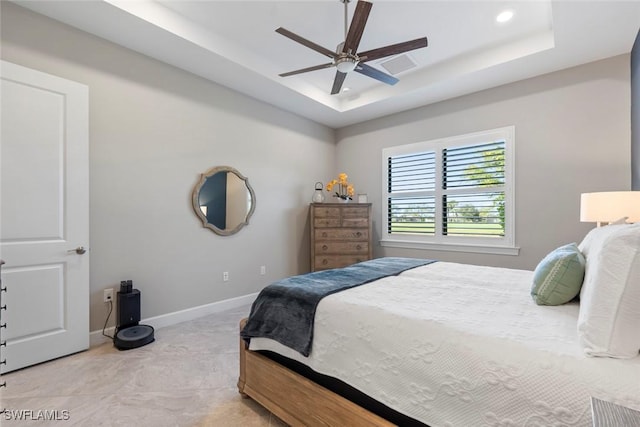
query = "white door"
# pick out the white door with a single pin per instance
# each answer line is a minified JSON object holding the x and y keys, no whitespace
{"x":44,"y":216}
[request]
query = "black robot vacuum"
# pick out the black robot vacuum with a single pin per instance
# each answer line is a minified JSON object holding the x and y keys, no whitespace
{"x":130,"y":334}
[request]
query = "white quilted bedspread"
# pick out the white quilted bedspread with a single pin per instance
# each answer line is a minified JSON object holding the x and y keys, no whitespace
{"x":461,"y":345}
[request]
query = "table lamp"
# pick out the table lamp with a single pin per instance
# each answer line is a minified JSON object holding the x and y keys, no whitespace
{"x":609,"y":206}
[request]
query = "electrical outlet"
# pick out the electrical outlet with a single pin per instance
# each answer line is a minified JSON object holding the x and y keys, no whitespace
{"x":108,"y":295}
{"x":263,"y":270}
{"x":225,"y":276}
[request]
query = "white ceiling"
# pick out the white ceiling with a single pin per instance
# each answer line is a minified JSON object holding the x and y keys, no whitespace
{"x":234,"y":43}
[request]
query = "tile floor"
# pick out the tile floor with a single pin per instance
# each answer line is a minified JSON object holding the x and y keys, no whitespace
{"x":187,"y":377}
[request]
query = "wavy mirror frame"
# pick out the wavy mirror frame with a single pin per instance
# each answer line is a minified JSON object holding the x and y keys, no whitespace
{"x":196,"y":203}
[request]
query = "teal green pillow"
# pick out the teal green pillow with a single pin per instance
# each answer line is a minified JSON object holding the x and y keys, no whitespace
{"x":558,"y":277}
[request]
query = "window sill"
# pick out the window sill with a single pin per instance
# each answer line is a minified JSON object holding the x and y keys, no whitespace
{"x":457,"y":247}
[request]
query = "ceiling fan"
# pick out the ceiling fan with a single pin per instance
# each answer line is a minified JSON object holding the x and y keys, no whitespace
{"x":346,"y":58}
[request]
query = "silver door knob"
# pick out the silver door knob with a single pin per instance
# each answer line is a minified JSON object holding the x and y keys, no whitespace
{"x":79,"y":250}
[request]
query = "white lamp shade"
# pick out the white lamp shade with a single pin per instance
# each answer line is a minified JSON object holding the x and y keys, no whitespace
{"x":610,"y":206}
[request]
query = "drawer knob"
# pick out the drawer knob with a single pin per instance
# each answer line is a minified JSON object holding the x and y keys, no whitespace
{"x":325,"y":262}
{"x":358,"y":247}
{"x":359,"y":234}
{"x":325,"y":247}
{"x":324,"y":234}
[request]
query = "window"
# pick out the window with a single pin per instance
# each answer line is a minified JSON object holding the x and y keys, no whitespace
{"x":455,"y":193}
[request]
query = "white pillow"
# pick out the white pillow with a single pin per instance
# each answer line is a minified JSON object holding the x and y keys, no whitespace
{"x":609,"y":319}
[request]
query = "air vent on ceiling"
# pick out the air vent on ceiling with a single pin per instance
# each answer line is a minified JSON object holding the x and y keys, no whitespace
{"x":398,"y":64}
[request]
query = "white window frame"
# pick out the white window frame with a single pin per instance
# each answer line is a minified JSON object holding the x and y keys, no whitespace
{"x":495,"y":245}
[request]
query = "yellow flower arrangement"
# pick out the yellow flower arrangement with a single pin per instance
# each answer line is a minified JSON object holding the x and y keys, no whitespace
{"x":342,"y":189}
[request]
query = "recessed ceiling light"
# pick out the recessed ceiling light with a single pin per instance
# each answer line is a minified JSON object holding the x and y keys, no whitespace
{"x":504,"y":16}
{"x":346,"y":89}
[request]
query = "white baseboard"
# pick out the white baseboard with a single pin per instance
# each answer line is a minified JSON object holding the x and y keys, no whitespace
{"x":96,"y":337}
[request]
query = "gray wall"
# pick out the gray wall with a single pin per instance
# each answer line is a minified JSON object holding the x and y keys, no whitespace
{"x":572,"y":136}
{"x":153,"y":130}
{"x":635,"y":114}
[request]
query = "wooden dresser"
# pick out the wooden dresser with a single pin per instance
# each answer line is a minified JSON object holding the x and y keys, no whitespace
{"x":341,"y":234}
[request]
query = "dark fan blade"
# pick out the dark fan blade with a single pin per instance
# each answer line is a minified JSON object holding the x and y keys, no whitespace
{"x":304,"y":70}
{"x":376,"y":74}
{"x":307,"y":43}
{"x":393,"y":49}
{"x":337,"y":83}
{"x":356,"y":28}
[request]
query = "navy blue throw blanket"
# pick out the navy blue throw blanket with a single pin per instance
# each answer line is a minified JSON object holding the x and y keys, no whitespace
{"x":285,"y":310}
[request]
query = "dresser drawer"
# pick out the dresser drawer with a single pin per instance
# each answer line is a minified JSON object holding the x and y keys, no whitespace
{"x":355,"y":222}
{"x":324,"y":212}
{"x":336,"y":261}
{"x":342,"y":234}
{"x":358,"y":211}
{"x":342,"y":247}
{"x":326,"y":222}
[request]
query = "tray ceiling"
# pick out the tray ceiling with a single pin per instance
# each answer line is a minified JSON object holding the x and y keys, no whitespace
{"x":234,"y":43}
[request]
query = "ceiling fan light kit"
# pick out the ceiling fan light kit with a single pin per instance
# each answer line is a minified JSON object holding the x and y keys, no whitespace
{"x":346,"y":64}
{"x":345,"y":59}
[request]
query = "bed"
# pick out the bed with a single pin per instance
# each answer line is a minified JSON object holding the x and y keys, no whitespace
{"x":449,"y":344}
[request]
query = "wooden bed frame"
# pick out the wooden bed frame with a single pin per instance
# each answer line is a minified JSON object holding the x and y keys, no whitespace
{"x":295,"y":399}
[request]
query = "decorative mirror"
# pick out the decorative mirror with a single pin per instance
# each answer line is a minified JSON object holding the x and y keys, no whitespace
{"x":223,"y":200}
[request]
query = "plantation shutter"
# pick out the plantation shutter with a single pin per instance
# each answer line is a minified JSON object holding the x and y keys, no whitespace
{"x":411,"y":184}
{"x":466,"y":184}
{"x":473,"y":180}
